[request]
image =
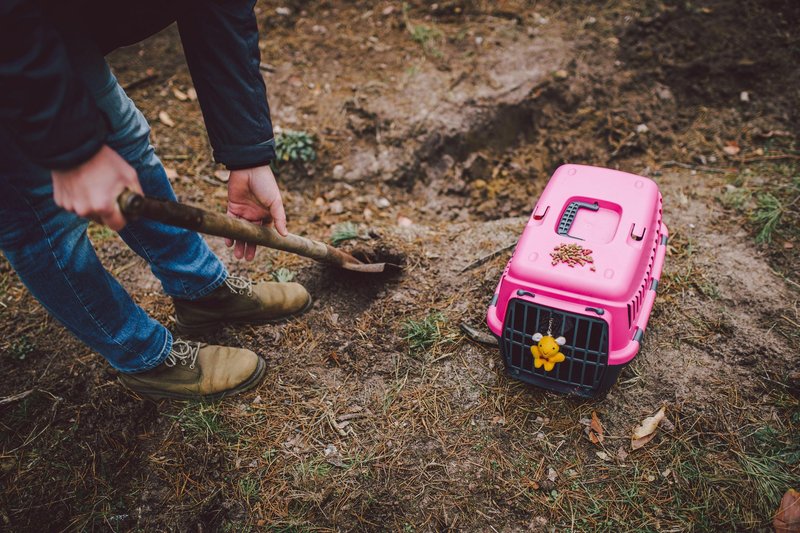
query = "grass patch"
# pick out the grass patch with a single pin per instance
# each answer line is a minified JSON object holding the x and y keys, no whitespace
{"x":770,"y":206}
{"x":423,"y":334}
{"x":249,"y":488}
{"x":344,"y":232}
{"x":203,"y":422}
{"x":766,"y":216}
{"x":313,"y":469}
{"x":426,"y":36}
{"x":100,"y":232}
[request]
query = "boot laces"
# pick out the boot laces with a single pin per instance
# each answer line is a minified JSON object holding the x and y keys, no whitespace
{"x":183,"y":352}
{"x":240,"y":285}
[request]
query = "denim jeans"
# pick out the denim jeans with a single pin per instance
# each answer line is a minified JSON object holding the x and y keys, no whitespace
{"x":49,"y":249}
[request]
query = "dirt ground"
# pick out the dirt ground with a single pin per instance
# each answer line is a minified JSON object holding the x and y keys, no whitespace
{"x":436,"y":127}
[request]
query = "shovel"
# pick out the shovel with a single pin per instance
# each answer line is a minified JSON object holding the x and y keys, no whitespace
{"x":134,"y":206}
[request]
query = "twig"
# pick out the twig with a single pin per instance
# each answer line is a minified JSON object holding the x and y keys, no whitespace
{"x":141,"y":81}
{"x":711,"y":170}
{"x":478,"y":262}
{"x":775,"y":157}
{"x":478,"y":336}
{"x":15,"y":397}
{"x":266,"y":67}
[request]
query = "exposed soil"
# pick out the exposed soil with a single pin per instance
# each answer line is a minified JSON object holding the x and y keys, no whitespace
{"x":436,"y":129}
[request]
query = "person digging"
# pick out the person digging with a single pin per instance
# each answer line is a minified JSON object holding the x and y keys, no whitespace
{"x":71,"y":141}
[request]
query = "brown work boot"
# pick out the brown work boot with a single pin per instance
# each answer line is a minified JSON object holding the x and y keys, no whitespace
{"x":194,"y":370}
{"x":239,"y":301}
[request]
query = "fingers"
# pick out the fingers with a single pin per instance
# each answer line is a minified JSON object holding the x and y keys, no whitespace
{"x":279,"y":216}
{"x":114,"y":219}
{"x":250,"y":249}
{"x":238,"y":249}
{"x":250,"y":252}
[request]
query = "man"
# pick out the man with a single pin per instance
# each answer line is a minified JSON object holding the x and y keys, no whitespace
{"x":71,"y":141}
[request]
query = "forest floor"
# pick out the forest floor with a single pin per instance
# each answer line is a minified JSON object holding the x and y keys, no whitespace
{"x":436,"y":127}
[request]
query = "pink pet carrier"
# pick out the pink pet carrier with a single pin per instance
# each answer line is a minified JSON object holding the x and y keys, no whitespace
{"x":574,"y":299}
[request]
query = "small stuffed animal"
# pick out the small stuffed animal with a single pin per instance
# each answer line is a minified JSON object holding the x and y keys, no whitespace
{"x":547,"y":352}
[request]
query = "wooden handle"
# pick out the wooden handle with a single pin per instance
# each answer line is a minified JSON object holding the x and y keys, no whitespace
{"x":134,"y":205}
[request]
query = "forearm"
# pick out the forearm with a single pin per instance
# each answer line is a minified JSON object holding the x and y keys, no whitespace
{"x":220,"y":40}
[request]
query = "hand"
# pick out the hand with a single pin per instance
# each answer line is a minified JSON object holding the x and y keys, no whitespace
{"x":253,"y":195}
{"x":90,"y":190}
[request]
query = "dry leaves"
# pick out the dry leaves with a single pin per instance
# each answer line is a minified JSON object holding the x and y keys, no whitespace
{"x":595,"y":430}
{"x":222,"y":175}
{"x":645,"y":432}
{"x":165,"y":119}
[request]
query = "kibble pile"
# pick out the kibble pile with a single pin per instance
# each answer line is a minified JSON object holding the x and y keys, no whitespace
{"x":572,"y":254}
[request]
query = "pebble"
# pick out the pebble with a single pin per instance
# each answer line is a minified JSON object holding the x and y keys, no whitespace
{"x":338,"y":172}
{"x":336,"y":207}
{"x":382,"y":203}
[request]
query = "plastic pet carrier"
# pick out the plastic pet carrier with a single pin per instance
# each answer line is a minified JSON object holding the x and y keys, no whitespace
{"x":573,"y":302}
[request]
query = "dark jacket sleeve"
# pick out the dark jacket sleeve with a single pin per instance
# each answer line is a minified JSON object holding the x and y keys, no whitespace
{"x":220,"y":40}
{"x":44,"y":104}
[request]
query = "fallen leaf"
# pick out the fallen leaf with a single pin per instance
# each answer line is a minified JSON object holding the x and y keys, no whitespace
{"x":552,"y":474}
{"x":622,"y":454}
{"x":180,"y":95}
{"x":404,"y":222}
{"x":223,"y":175}
{"x":191,"y":93}
{"x":731,"y":148}
{"x":171,"y":173}
{"x":597,"y":427}
{"x":603,"y":455}
{"x":165,"y":119}
{"x":645,"y":432}
{"x":787,"y":519}
{"x":332,"y":456}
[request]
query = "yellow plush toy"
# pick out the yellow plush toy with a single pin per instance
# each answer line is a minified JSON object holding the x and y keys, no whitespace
{"x":547,"y":351}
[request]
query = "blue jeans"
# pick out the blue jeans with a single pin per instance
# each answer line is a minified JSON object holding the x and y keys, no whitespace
{"x":50,"y":251}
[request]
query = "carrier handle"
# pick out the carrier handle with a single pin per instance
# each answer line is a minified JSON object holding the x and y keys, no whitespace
{"x":570,"y":212}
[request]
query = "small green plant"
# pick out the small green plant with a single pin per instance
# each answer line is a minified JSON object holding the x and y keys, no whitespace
{"x":249,"y":488}
{"x":426,"y":36}
{"x":313,"y":469}
{"x":423,"y":334}
{"x":100,"y":232}
{"x":201,"y":421}
{"x":344,"y":232}
{"x":766,"y":216}
{"x":283,"y":275}
{"x":21,"y":348}
{"x":293,"y":146}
